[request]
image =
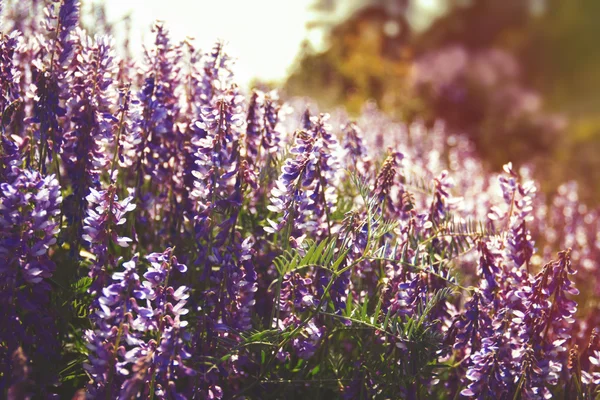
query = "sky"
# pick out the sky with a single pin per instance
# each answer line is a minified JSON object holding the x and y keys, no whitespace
{"x":263,"y":35}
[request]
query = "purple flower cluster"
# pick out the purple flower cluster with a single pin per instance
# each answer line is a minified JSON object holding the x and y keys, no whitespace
{"x":29,"y":209}
{"x":306,"y":187}
{"x":9,"y":75}
{"x":105,"y":214}
{"x":90,"y":107}
{"x":139,"y":344}
{"x":307,"y":255}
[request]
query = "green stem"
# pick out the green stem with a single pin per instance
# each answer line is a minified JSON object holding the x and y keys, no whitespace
{"x":321,"y":183}
{"x":152,"y":383}
{"x":114,"y":362}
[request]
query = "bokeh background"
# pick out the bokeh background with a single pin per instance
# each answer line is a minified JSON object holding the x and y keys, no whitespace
{"x":520,"y":78}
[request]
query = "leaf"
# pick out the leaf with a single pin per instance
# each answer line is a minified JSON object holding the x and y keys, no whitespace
{"x":339,"y":260}
{"x":82,"y":285}
{"x":315,"y":370}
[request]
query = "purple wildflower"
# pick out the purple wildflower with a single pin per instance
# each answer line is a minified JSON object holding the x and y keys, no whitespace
{"x":164,"y":305}
{"x":114,"y":320}
{"x":308,"y":182}
{"x":160,"y":100}
{"x":10,"y":158}
{"x":157,"y":364}
{"x":217,"y":152}
{"x":50,"y":78}
{"x":519,"y":197}
{"x":104,"y":215}
{"x":129,"y":135}
{"x":254,"y":124}
{"x":217,"y":77}
{"x":10,"y":75}
{"x":590,"y":368}
{"x":473,"y":325}
{"x":28,"y":227}
{"x":307,"y":342}
{"x":356,"y":157}
{"x":491,"y":369}
{"x":441,"y":202}
{"x":91,"y":106}
{"x":545,"y":324}
{"x":28,"y":209}
{"x":386,"y":189}
{"x":488,"y":268}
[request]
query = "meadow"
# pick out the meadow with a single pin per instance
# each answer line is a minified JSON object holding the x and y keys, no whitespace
{"x":167,"y":235}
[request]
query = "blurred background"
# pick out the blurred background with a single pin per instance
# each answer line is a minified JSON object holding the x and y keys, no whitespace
{"x":520,"y":78}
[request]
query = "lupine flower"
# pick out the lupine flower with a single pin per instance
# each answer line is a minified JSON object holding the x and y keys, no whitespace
{"x":385,"y":188}
{"x":10,"y":158}
{"x":533,"y":372}
{"x":491,"y":371}
{"x":47,"y":110}
{"x":29,"y":206}
{"x":104,"y":215}
{"x":590,"y":374}
{"x":308,"y":182}
{"x":545,"y":323}
{"x":356,"y":153}
{"x":91,"y":106}
{"x":296,"y":296}
{"x":409,"y":295}
{"x":121,"y":361}
{"x":156,"y":365}
{"x":306,"y":122}
{"x":217,"y":77}
{"x":216,"y":162}
{"x":519,"y":197}
{"x":49,"y":78}
{"x":216,"y":101}
{"x":307,"y":342}
{"x":130,"y":135}
{"x":262,"y":135}
{"x":199,"y":164}
{"x":68,"y":18}
{"x":488,"y":268}
{"x":243,"y":287}
{"x":338,"y":291}
{"x":473,"y":325}
{"x":114,"y":330}
{"x":441,"y":201}
{"x":160,"y":101}
{"x":288,"y":187}
{"x":231,"y":305}
{"x":159,"y":310}
{"x":9,"y":74}
{"x":296,"y":293}
{"x":255,"y":124}
{"x":272,"y":137}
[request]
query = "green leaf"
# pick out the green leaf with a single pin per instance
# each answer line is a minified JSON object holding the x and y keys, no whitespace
{"x":82,"y":285}
{"x":339,"y":260}
{"x":315,"y":370}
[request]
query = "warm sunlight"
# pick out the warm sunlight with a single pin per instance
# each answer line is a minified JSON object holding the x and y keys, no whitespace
{"x":264,"y":35}
{"x":299,"y":199}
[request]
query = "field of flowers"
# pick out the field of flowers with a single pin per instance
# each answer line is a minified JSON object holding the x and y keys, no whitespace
{"x":164,"y":235}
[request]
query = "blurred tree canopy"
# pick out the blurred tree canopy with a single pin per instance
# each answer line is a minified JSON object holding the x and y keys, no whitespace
{"x":459,"y":69}
{"x":367,"y":54}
